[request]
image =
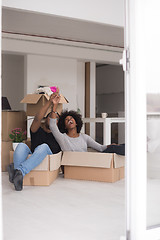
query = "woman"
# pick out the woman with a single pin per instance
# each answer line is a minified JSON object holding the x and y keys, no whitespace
{"x":68,"y":135}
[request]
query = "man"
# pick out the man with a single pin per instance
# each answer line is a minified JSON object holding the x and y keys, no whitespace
{"x":43,"y":143}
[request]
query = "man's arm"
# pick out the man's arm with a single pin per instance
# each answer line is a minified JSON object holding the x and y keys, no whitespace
{"x":40,"y":115}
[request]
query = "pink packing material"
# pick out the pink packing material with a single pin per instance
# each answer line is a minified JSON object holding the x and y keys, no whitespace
{"x":53,"y":89}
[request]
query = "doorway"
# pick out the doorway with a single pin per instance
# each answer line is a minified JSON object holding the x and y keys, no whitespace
{"x":110,"y":99}
{"x":76,"y":207}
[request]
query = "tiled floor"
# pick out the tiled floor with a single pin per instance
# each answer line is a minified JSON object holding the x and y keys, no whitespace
{"x":66,"y":210}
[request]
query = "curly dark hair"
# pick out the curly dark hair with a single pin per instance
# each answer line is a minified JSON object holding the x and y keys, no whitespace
{"x":77,"y":117}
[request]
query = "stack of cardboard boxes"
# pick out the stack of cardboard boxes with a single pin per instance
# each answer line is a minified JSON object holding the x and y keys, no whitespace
{"x":10,"y":120}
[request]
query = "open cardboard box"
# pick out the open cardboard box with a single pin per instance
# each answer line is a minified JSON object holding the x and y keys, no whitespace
{"x":36,"y":101}
{"x":45,"y":173}
{"x":94,"y":166}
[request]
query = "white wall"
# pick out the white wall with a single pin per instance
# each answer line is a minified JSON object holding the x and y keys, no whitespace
{"x":67,"y":74}
{"x":13,"y":80}
{"x":51,"y":71}
{"x":104,"y":11}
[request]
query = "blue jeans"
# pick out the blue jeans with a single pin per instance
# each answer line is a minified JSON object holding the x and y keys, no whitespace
{"x":26,"y":165}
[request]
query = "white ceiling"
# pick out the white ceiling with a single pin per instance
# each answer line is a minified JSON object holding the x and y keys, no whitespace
{"x":59,"y":27}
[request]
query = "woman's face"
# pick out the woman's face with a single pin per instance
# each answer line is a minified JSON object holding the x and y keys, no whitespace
{"x":70,"y":122}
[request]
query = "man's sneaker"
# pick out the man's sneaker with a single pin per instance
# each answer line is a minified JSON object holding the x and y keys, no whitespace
{"x":18,"y":180}
{"x":11,"y":171}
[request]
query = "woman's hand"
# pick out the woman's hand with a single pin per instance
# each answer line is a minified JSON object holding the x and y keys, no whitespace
{"x":55,"y":97}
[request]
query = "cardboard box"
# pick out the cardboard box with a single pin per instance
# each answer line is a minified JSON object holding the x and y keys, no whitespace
{"x":45,"y":173}
{"x":6,"y":147}
{"x":103,"y":167}
{"x":93,"y":166}
{"x":11,"y":120}
{"x":36,"y":101}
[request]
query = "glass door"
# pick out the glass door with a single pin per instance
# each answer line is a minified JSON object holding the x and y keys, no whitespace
{"x":152,"y":36}
{"x":142,"y":79}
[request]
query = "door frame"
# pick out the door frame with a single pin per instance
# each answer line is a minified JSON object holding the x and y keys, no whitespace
{"x":135,"y":107}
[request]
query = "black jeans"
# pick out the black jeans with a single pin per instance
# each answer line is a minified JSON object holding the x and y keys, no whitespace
{"x":119,"y":149}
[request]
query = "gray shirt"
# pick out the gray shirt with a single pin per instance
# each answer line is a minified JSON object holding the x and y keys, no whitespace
{"x":78,"y":144}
